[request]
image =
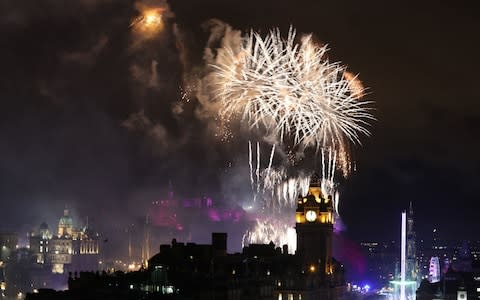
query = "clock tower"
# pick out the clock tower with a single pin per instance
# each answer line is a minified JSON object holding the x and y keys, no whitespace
{"x":314,"y":226}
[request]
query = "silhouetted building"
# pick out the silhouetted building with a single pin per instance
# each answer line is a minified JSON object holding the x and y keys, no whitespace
{"x":260,"y":271}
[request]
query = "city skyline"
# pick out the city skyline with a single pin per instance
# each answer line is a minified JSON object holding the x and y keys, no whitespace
{"x":85,"y":126}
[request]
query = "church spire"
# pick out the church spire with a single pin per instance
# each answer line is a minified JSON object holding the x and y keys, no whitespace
{"x":412,"y":267}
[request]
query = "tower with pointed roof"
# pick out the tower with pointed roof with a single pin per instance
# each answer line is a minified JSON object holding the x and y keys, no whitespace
{"x":411,"y":259}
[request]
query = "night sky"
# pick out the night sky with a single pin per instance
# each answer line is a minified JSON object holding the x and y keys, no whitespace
{"x":91,"y":117}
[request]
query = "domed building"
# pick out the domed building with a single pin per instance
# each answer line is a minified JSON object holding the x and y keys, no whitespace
{"x":65,"y":224}
{"x":71,"y":249}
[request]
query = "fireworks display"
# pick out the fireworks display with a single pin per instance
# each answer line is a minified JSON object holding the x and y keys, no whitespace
{"x":291,"y":90}
{"x":290,"y":93}
{"x":274,"y":230}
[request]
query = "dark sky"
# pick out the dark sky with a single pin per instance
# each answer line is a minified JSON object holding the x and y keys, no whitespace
{"x":84,"y":125}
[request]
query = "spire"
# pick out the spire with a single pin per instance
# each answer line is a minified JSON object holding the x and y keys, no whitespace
{"x":65,"y":210}
{"x":315,"y":180}
{"x":410,"y":210}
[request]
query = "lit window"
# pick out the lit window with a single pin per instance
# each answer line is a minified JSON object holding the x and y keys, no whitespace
{"x":290,"y":296}
{"x":280,"y":296}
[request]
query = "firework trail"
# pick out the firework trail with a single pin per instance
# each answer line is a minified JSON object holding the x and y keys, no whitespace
{"x":271,"y":160}
{"x":257,"y":172}
{"x":250,"y":162}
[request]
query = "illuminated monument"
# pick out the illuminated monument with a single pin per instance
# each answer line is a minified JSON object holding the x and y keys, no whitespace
{"x":411,"y":257}
{"x":71,"y":249}
{"x":405,"y":287}
{"x":314,"y":225}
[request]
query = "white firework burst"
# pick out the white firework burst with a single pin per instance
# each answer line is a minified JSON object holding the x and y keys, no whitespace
{"x":291,"y":90}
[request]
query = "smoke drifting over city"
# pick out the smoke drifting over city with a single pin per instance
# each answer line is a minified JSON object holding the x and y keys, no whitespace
{"x":105,"y":110}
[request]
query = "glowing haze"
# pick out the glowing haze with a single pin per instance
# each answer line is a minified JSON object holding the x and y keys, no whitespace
{"x":149,"y":21}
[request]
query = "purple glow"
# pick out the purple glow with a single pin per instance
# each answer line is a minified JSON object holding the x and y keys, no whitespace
{"x":350,"y":254}
{"x":218,"y":215}
{"x":209,"y":202}
{"x":339,"y":226}
{"x":173,"y":212}
{"x":213,"y":215}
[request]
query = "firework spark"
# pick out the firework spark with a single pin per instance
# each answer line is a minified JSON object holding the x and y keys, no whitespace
{"x":291,"y":90}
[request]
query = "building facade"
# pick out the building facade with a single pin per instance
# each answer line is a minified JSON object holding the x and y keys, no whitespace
{"x":68,"y":249}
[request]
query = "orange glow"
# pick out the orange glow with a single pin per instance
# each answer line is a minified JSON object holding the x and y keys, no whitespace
{"x":316,"y":192}
{"x":356,"y":85}
{"x":150,"y":21}
{"x":152,"y":18}
{"x":326,"y":217}
{"x":329,"y":269}
{"x":312,"y":268}
{"x":298,"y":218}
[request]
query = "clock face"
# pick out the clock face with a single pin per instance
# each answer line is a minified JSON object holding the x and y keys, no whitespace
{"x":311,"y":215}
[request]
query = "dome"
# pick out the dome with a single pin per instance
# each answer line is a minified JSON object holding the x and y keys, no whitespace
{"x":44,"y":226}
{"x":65,"y":221}
{"x":65,"y":224}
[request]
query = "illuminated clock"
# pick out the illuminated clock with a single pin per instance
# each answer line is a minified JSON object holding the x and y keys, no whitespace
{"x":310,"y":215}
